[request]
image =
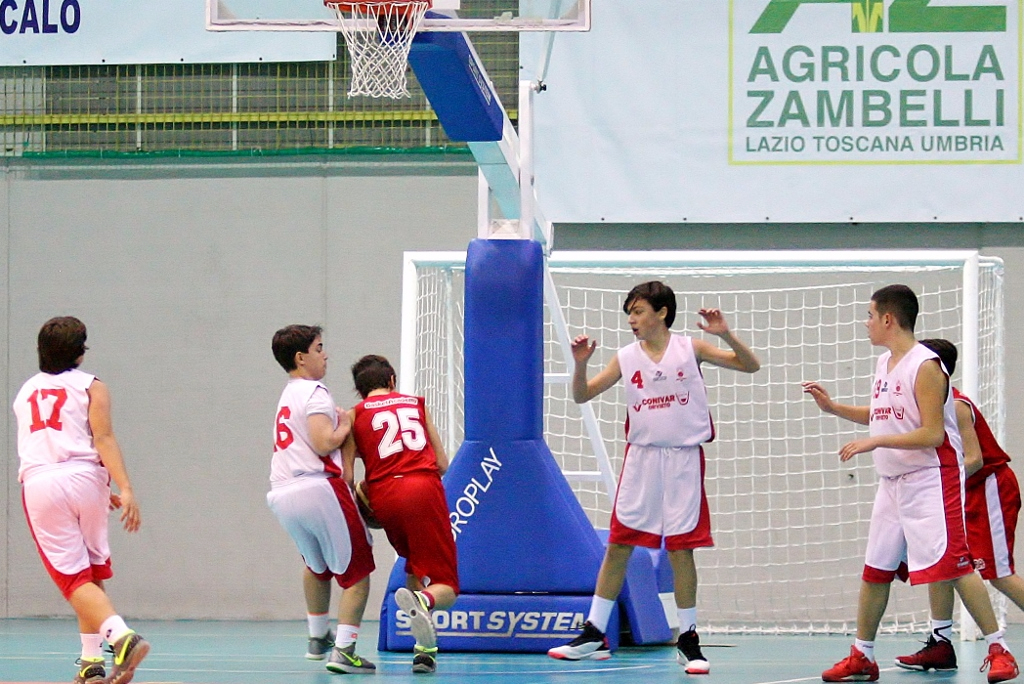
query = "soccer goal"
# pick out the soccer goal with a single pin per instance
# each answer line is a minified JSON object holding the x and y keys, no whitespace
{"x":789,"y":520}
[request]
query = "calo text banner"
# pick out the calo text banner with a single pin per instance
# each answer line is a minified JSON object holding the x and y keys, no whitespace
{"x":88,"y":32}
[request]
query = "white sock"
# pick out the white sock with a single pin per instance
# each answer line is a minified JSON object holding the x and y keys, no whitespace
{"x":997,"y":637}
{"x":92,"y":646}
{"x":113,"y":628}
{"x":318,"y":626}
{"x":866,"y":647}
{"x":347,"y":634}
{"x":943,"y":629}
{"x":600,"y":612}
{"x":687,"y":619}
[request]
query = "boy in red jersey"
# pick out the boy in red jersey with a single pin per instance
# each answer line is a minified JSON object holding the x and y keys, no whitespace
{"x":404,"y":460}
{"x":917,"y":520}
{"x":69,"y":455}
{"x":992,"y":504}
{"x":313,"y":502}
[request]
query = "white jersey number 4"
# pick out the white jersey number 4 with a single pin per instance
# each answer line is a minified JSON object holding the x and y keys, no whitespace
{"x":403,"y":430}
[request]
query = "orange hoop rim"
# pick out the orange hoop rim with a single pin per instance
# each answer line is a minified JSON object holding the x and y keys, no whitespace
{"x":378,"y":5}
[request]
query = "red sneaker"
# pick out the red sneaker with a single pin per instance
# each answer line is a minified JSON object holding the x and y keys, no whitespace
{"x":1000,"y":663}
{"x":854,"y":668}
{"x":937,"y":654}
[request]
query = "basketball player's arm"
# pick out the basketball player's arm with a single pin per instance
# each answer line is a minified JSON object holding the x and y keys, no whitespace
{"x":855,"y":414}
{"x":584,"y":390}
{"x":930,"y":390}
{"x":348,"y":456}
{"x":323,"y":436}
{"x":738,"y":357}
{"x":435,"y":441}
{"x":110,"y":455}
{"x":973,"y":458}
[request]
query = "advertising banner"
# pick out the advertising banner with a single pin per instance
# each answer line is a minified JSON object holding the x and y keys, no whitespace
{"x":912,"y":82}
{"x":783,"y":111}
{"x":84,"y":32}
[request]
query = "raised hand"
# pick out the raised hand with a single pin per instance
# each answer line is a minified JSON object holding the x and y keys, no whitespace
{"x":583,"y":349}
{"x":713,"y":322}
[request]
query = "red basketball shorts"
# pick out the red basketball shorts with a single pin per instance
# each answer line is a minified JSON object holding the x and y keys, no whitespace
{"x":414,"y":514}
{"x":992,"y":507}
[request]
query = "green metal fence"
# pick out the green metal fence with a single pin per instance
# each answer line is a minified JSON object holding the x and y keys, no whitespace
{"x":265,"y":108}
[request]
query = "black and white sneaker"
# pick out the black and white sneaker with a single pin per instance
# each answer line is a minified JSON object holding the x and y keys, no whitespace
{"x":688,"y":654}
{"x":590,"y":645}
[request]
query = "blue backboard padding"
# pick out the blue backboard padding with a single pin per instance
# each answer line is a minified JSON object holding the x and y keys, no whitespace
{"x":504,"y":340}
{"x":641,"y":603}
{"x":457,"y":86}
{"x":639,"y":600}
{"x":518,"y":525}
{"x":663,"y":568}
{"x":524,"y":623}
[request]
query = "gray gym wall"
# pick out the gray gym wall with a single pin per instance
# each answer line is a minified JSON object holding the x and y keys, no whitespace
{"x":183,"y":271}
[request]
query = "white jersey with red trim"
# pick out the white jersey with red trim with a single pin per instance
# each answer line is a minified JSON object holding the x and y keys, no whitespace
{"x":894,"y":411}
{"x":294,"y":455}
{"x":666,"y":402}
{"x":53,"y":421}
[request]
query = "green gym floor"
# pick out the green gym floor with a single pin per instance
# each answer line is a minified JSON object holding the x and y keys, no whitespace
{"x":249,"y":652}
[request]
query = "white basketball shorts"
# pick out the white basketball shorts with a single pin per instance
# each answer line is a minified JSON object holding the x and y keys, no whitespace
{"x":67,"y":507}
{"x":661,"y":496}
{"x":329,"y":533}
{"x":918,"y":517}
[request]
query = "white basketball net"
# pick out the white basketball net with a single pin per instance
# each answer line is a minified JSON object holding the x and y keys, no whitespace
{"x":378,"y":35}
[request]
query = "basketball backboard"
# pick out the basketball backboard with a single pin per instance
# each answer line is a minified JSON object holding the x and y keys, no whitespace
{"x":461,"y":15}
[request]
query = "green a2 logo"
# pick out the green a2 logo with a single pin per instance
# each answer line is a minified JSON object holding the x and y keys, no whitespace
{"x":905,"y":16}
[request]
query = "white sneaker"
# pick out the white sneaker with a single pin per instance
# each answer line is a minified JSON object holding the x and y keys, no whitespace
{"x":590,"y":645}
{"x":421,"y":624}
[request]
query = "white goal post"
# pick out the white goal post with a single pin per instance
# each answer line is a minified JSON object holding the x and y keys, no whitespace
{"x":789,"y":520}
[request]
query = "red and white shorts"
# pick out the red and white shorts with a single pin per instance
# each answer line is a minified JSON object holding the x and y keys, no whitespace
{"x":661,"y":496}
{"x":992,"y":507}
{"x":67,"y":507}
{"x":918,"y":517}
{"x":414,"y":514}
{"x":321,"y":517}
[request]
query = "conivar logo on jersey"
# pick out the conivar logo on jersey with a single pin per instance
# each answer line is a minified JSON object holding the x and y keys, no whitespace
{"x":466,"y":505}
{"x":874,"y":81}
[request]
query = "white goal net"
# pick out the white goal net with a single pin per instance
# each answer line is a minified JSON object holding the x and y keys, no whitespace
{"x":789,"y":520}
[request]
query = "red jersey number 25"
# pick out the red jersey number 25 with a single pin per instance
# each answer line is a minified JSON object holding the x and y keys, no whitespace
{"x":402,"y":430}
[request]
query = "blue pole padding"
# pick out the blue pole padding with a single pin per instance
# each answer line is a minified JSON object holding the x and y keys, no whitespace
{"x":504,"y":340}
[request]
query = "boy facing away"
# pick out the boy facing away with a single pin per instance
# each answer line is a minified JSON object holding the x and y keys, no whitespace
{"x":917,"y":517}
{"x":404,"y":460}
{"x":991,"y":506}
{"x":660,"y":497}
{"x":68,"y":456}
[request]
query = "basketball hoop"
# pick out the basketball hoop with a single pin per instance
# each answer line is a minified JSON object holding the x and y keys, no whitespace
{"x":378,"y":34}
